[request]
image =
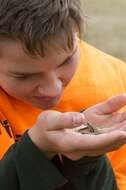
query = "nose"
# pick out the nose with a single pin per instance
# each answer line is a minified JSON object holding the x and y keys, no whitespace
{"x":51,"y":85}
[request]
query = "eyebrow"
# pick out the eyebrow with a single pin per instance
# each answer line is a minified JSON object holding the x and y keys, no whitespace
{"x":35,"y":73}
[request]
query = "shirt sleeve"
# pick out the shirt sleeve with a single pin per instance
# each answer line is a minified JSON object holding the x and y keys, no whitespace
{"x":90,"y":172}
{"x":25,"y":167}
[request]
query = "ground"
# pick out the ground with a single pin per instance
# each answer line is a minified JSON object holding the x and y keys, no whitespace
{"x":106,"y":25}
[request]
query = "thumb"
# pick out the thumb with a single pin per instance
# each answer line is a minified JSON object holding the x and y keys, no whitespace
{"x":54,"y":120}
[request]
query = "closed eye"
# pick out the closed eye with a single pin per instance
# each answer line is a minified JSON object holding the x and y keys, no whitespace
{"x":25,"y":76}
{"x":69,"y":59}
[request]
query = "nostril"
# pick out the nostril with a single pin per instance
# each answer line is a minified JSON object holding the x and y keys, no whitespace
{"x":51,"y":90}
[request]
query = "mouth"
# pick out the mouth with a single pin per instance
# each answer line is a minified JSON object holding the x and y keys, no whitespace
{"x":45,"y":102}
{"x":44,"y":97}
{"x":47,"y":99}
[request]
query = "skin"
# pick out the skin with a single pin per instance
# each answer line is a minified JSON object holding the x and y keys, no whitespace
{"x":60,"y":128}
{"x":48,"y":76}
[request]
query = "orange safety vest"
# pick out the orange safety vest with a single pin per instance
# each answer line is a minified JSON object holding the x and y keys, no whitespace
{"x":98,"y":77}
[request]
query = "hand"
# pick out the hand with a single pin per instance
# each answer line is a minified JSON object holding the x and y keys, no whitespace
{"x":49,"y":133}
{"x":52,"y":134}
{"x":104,"y":115}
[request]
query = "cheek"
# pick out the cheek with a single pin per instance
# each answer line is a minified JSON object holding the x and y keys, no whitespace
{"x":67,"y":73}
{"x":71,"y":71}
{"x":16,"y":89}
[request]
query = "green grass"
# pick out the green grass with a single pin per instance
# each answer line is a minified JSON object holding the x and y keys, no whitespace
{"x":106,"y":28}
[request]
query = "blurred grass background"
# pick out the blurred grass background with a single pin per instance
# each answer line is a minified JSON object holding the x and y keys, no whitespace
{"x":106,"y":25}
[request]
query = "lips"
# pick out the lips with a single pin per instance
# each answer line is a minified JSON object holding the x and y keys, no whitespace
{"x":45,"y":102}
{"x":45,"y":98}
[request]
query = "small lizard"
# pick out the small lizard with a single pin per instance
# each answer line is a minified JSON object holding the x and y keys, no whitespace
{"x":88,"y":129}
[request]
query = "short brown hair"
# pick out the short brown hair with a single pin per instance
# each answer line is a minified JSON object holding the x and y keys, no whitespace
{"x":34,"y":22}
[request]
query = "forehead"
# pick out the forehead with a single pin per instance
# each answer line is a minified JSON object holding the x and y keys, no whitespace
{"x":13,"y":53}
{"x":14,"y":49}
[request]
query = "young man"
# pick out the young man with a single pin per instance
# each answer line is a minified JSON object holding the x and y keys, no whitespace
{"x":47,"y":76}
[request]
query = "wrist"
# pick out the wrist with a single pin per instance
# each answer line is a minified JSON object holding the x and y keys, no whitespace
{"x":41,"y":145}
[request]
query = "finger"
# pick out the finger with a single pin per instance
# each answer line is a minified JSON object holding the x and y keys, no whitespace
{"x":93,"y":148}
{"x":89,"y":143}
{"x":122,"y":116}
{"x":56,"y":120}
{"x":102,"y":142}
{"x":121,"y":126}
{"x":76,"y":155}
{"x":112,"y":105}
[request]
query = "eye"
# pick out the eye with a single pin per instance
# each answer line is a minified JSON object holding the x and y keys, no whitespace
{"x":22,"y":77}
{"x":68,"y":61}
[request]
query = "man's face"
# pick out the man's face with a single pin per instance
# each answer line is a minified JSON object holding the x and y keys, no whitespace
{"x":39,"y":81}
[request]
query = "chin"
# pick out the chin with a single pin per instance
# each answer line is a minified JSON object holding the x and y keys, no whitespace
{"x":45,"y":106}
